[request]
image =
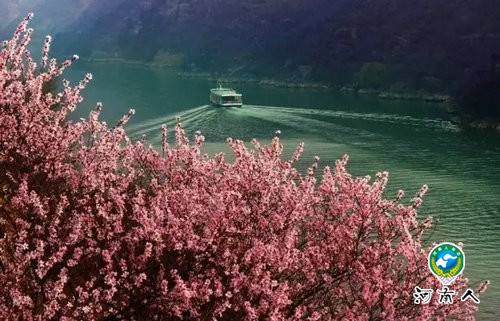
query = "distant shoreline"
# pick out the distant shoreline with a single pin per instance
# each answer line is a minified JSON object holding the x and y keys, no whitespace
{"x":128,"y":62}
{"x":387,"y":95}
{"x":462,"y":121}
{"x":392,"y":95}
{"x":266,"y":82}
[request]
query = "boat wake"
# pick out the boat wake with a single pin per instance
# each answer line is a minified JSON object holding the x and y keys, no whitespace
{"x":372,"y":117}
{"x":255,"y":121}
{"x":152,"y":125}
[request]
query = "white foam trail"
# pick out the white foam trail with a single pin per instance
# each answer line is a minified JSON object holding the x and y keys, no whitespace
{"x":149,"y":125}
{"x":303,"y":119}
{"x":389,"y":118}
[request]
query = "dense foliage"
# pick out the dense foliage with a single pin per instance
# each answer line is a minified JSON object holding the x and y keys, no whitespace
{"x":428,"y":45}
{"x":96,"y":227}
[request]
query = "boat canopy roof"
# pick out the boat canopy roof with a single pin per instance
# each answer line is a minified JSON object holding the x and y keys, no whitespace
{"x":224,"y":92}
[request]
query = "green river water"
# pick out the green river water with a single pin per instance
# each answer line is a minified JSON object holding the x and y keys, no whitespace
{"x":411,"y":140}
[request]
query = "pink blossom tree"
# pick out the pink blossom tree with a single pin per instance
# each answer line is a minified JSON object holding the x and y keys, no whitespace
{"x":94,"y":226}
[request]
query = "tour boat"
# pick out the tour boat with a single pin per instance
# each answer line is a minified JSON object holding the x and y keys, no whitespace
{"x":225,"y":97}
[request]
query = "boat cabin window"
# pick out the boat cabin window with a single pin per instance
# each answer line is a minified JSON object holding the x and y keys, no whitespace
{"x":228,"y":99}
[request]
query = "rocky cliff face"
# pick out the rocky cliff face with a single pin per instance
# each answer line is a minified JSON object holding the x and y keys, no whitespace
{"x":434,"y":45}
{"x":425,"y":44}
{"x":51,"y":16}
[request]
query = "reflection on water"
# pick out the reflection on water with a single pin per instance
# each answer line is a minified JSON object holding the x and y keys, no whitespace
{"x":412,"y":140}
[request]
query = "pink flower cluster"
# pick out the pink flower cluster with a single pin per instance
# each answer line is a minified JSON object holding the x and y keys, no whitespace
{"x":96,"y":227}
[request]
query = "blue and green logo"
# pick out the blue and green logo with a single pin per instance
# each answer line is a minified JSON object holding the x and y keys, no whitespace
{"x":446,"y":262}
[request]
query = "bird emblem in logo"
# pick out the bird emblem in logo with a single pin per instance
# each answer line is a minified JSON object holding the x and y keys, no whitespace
{"x":446,"y":262}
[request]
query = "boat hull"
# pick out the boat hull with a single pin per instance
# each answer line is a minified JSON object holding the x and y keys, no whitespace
{"x":226,"y":105}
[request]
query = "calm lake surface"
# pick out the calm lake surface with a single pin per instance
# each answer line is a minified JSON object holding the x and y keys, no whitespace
{"x":411,"y":140}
